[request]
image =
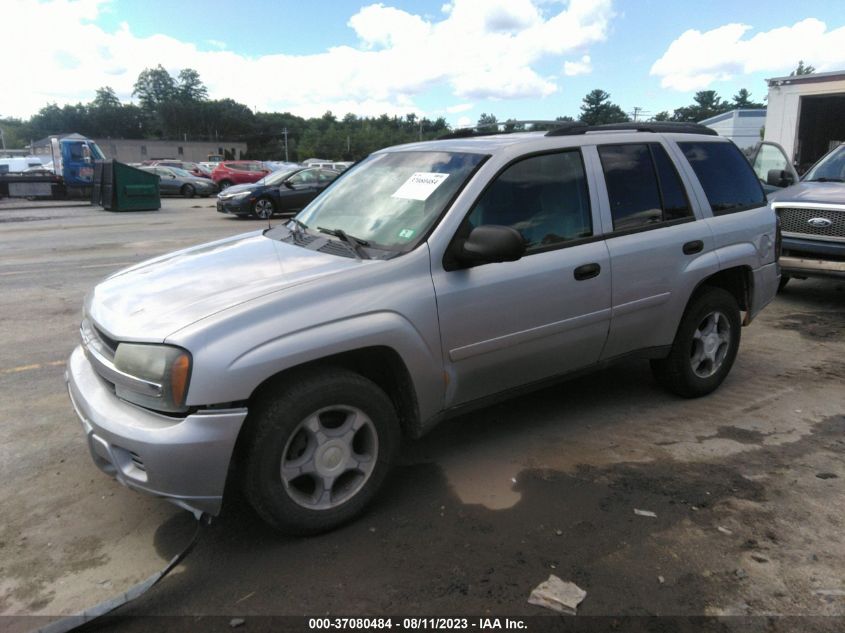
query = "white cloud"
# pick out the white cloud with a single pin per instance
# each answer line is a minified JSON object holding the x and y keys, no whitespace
{"x":476,"y":49}
{"x":696,"y":59}
{"x":582,"y":67}
{"x":460,"y":107}
{"x":464,"y":121}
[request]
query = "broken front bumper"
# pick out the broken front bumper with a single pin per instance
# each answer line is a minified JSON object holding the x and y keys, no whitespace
{"x":185,"y":460}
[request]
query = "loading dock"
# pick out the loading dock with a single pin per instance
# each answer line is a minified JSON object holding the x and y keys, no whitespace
{"x":806,"y":115}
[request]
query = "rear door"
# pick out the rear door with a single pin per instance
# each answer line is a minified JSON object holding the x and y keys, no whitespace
{"x":508,"y":324}
{"x":658,"y":249}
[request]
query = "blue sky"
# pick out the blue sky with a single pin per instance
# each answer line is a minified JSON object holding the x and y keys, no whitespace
{"x":517,"y":58}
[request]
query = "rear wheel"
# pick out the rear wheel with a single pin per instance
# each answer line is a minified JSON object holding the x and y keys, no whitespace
{"x":705,"y":345}
{"x":188,"y":191}
{"x":319,"y":450}
{"x":263,"y":208}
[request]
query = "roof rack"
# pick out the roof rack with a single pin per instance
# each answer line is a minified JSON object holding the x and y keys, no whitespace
{"x":578,"y":127}
{"x":489,"y":129}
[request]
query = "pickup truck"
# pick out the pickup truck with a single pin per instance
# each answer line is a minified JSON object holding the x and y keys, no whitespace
{"x":429,"y":280}
{"x":811,"y":211}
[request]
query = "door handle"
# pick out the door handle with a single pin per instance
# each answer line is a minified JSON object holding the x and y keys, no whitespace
{"x":691,"y":248}
{"x":587,"y":271}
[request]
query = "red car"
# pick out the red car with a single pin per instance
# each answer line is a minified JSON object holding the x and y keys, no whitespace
{"x":238,"y":172}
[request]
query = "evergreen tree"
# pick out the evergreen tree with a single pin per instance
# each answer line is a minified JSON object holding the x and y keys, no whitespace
{"x":801,"y":69}
{"x":597,"y":109}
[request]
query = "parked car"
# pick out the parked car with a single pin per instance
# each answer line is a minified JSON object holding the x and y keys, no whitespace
{"x":279,"y":192}
{"x":238,"y":172}
{"x":811,"y":211}
{"x":431,"y":279}
{"x":178,"y":182}
{"x":193,"y":168}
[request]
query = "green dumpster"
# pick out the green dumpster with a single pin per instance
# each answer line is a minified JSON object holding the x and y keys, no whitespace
{"x":119,"y":187}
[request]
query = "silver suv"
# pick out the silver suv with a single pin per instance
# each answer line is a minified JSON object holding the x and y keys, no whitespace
{"x":428,"y":280}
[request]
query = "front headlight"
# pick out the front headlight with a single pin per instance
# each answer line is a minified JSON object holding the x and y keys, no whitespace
{"x":164,"y":366}
{"x":241,"y":194}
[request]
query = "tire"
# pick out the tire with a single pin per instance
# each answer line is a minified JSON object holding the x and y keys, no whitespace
{"x":304,"y":472}
{"x":705,"y":345}
{"x":263,"y":208}
{"x":784,"y":279}
{"x":188,"y":191}
{"x":224,"y":184}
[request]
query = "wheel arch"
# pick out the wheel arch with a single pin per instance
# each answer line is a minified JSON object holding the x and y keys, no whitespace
{"x":737,"y":280}
{"x":381,"y":364}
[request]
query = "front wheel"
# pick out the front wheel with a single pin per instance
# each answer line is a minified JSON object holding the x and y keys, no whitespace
{"x":705,"y":345}
{"x":784,"y":279}
{"x":318,"y":450}
{"x":263,"y":208}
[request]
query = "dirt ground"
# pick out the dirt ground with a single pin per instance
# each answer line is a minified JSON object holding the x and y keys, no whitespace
{"x":746,"y":484}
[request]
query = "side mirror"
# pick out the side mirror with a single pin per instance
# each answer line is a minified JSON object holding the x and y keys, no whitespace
{"x":779,"y":178}
{"x":289,"y":184}
{"x":492,"y":243}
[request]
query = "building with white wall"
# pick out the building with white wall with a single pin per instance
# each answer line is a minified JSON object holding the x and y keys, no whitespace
{"x":742,"y":126}
{"x":806,"y":115}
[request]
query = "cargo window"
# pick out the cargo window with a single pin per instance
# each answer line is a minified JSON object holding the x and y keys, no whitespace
{"x":642,"y":186}
{"x":544,"y":197}
{"x":725,"y":175}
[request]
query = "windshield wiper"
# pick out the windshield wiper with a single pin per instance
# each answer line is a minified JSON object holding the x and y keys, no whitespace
{"x":825,"y":179}
{"x":355,"y":243}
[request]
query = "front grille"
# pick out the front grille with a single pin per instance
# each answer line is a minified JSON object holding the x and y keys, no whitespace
{"x":105,"y":340}
{"x":796,"y":220}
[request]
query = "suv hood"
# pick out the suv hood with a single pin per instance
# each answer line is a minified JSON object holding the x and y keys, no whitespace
{"x":153,"y":299}
{"x":812,"y":192}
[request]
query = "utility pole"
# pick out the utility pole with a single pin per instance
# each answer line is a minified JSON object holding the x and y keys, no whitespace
{"x":3,"y":138}
{"x":637,"y":112}
{"x":286,"y":144}
{"x":421,"y":129}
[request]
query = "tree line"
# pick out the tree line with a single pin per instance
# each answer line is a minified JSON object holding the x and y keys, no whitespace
{"x":179,"y":108}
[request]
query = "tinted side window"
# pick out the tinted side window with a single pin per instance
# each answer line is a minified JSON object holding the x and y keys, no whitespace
{"x":675,"y":202}
{"x":631,"y":186}
{"x":725,"y":175}
{"x":545,"y":198}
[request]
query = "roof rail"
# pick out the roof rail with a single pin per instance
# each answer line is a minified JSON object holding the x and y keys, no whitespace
{"x":489,"y":129}
{"x":578,"y":127}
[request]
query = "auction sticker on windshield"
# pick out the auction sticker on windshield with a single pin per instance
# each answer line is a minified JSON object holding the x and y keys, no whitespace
{"x":420,"y":185}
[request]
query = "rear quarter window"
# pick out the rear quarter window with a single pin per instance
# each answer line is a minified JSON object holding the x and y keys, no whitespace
{"x":725,"y":175}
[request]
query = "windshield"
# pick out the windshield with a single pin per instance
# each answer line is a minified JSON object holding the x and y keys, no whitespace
{"x":392,"y":199}
{"x":181,"y":172}
{"x":830,"y":167}
{"x":276,"y":177}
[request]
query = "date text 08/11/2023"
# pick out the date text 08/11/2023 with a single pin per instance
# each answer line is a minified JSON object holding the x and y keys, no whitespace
{"x":414,"y":624}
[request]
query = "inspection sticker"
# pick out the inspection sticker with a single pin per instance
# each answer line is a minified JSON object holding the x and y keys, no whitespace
{"x":420,"y":185}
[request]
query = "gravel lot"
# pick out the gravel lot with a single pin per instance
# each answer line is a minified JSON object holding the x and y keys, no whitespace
{"x":747,"y":484}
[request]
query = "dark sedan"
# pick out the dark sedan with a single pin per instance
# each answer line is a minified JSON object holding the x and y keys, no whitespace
{"x":280,"y":192}
{"x":178,"y":182}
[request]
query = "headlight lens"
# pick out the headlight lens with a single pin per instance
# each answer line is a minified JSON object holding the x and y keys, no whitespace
{"x":165,"y":365}
{"x":241,"y":194}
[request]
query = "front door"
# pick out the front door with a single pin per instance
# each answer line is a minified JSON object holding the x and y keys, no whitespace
{"x":509,"y":324}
